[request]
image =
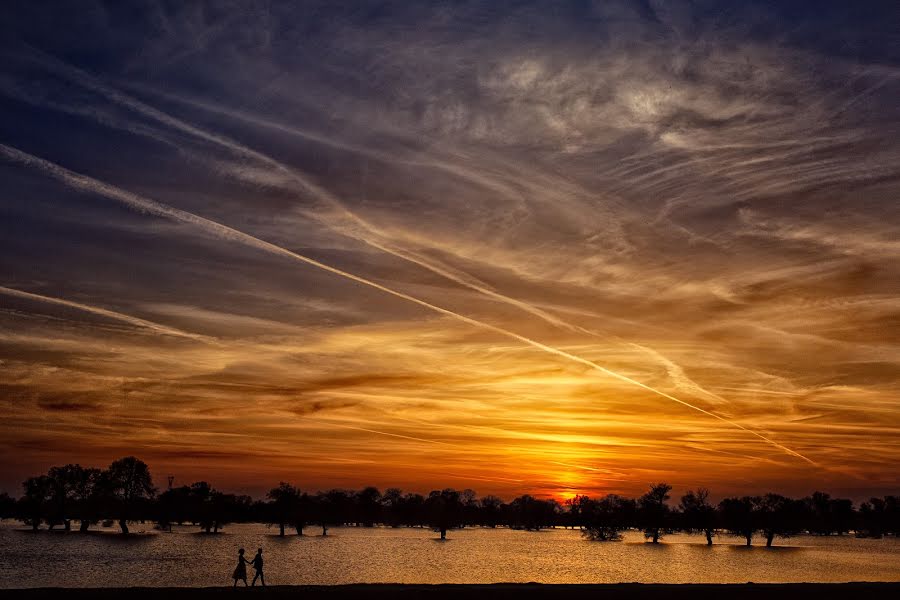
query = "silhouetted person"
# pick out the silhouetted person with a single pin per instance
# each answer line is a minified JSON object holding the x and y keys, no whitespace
{"x":258,"y":567}
{"x":240,"y":571}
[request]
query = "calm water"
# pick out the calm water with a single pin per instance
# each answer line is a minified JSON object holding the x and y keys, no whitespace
{"x":348,"y":555}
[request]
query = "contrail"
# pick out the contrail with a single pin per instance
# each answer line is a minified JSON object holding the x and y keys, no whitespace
{"x":562,"y":464}
{"x":367,"y":232}
{"x":396,"y":435}
{"x":675,"y":372}
{"x":364,"y":231}
{"x":327,"y":140}
{"x":678,"y":376}
{"x":480,"y":477}
{"x":164,"y":329}
{"x":153,"y":207}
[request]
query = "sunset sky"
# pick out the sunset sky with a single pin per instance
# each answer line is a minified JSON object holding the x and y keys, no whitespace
{"x":556,"y":248}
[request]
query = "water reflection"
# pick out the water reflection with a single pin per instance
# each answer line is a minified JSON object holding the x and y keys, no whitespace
{"x":349,"y":555}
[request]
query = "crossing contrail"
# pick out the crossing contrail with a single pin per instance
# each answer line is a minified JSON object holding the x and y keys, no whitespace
{"x":136,"y":321}
{"x":367,"y":233}
{"x":147,"y":206}
{"x":361,"y":229}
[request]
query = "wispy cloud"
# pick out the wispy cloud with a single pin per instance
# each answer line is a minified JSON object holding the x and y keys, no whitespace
{"x":699,"y":199}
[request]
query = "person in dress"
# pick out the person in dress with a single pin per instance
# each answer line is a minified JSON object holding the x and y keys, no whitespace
{"x":240,"y":571}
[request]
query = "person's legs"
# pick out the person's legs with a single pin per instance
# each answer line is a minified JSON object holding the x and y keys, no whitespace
{"x":255,"y":577}
{"x":262,"y":578}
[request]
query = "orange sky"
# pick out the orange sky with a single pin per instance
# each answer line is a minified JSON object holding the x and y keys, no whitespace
{"x":607,"y":253}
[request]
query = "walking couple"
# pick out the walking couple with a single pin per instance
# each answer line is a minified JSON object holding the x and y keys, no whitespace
{"x":240,"y":571}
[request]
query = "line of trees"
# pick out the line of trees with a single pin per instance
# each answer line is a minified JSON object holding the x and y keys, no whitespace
{"x":124,"y":493}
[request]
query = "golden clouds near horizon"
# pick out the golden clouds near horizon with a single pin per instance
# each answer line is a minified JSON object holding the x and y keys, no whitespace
{"x":417,"y":405}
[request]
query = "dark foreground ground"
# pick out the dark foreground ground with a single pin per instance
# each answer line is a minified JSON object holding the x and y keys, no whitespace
{"x":632,"y":591}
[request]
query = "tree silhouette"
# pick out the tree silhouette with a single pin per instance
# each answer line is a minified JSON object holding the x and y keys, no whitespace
{"x":842,"y":516}
{"x":818,"y":507}
{"x":739,"y":516}
{"x":779,"y":516}
{"x":332,"y":508}
{"x":873,"y":517}
{"x":38,"y":493}
{"x":174,"y":506}
{"x":489,"y":511}
{"x":84,"y":493}
{"x":127,"y":481}
{"x":61,"y":483}
{"x":892,"y":515}
{"x":443,"y":510}
{"x":201,"y":505}
{"x":284,"y":506}
{"x":391,"y":503}
{"x":698,"y":514}
{"x":470,"y":506}
{"x":222,"y":509}
{"x":604,"y":520}
{"x":209,"y":508}
{"x":653,"y":511}
{"x":529,"y":513}
{"x":412,"y":510}
{"x":303,"y":514}
{"x":125,"y":491}
{"x":71,"y":493}
{"x":7,"y":506}
{"x":367,"y":503}
{"x":199,"y":500}
{"x":825,"y":515}
{"x":577,"y":510}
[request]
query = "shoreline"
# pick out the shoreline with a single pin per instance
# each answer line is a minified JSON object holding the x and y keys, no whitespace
{"x":517,"y":591}
{"x":722,"y":540}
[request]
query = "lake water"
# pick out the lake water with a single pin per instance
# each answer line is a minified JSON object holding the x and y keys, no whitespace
{"x":352,"y":555}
